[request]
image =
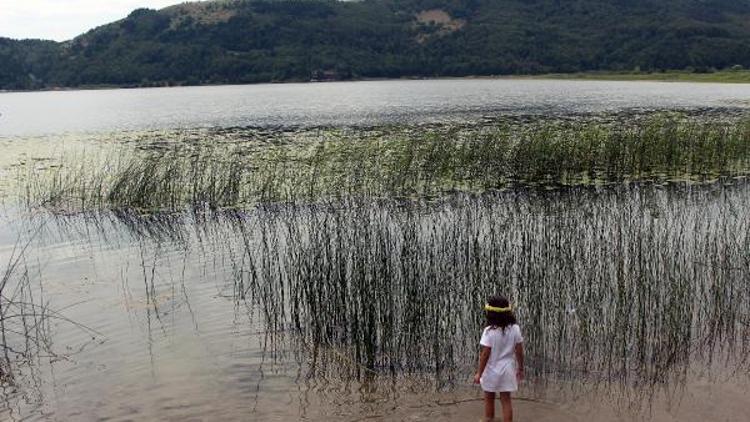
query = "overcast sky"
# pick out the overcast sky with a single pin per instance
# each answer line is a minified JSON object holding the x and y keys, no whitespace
{"x":64,"y":19}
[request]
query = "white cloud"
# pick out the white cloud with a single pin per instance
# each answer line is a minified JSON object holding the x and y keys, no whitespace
{"x":64,"y":19}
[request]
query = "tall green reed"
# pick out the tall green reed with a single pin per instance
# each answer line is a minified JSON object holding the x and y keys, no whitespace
{"x":394,"y":162}
{"x":613,"y":286}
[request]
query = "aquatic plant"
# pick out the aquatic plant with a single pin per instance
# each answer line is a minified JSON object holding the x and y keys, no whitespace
{"x":368,"y":252}
{"x":25,"y":316}
{"x":22,"y":319}
{"x":401,"y":162}
{"x":626,"y":286}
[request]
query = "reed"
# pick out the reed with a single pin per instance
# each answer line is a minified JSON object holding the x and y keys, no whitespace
{"x":627,"y":286}
{"x":369,"y":252}
{"x":396,"y":162}
{"x":25,"y":316}
{"x":23,"y":328}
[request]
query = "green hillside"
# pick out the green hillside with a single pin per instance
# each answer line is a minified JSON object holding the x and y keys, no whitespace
{"x":261,"y":40}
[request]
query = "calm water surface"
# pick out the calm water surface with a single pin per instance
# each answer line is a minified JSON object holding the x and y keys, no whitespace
{"x":343,"y":103}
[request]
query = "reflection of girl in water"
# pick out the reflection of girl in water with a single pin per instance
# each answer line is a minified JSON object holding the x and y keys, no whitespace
{"x":500,"y":358}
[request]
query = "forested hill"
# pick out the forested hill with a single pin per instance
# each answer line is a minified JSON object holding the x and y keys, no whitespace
{"x":267,"y":40}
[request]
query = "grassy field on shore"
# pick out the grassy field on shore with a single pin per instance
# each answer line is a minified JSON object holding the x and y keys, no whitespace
{"x":719,"y":76}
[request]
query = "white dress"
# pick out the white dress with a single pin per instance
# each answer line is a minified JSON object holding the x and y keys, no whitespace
{"x":500,"y":373}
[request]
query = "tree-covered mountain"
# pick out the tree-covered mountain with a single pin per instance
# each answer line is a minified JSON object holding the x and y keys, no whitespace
{"x":239,"y":41}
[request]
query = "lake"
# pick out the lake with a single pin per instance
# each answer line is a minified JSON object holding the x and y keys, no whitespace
{"x":128,"y":295}
{"x":343,"y":103}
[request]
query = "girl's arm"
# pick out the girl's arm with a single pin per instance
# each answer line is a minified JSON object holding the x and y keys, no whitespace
{"x":484,"y":356}
{"x":519,"y":361}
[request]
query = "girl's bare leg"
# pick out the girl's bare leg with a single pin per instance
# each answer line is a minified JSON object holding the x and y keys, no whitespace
{"x":489,"y":406}
{"x":506,"y":405}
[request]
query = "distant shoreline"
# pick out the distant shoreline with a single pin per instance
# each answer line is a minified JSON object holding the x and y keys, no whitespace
{"x":723,"y":76}
{"x":719,"y":76}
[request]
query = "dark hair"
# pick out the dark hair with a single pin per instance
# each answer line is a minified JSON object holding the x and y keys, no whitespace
{"x":499,"y":319}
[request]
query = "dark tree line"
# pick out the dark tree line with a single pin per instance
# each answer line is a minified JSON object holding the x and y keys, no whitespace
{"x":261,"y":40}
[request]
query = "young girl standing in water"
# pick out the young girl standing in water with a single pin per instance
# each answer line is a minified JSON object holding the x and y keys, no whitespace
{"x":501,"y":357}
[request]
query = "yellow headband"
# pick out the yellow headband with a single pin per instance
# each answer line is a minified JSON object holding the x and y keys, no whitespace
{"x":496,"y":309}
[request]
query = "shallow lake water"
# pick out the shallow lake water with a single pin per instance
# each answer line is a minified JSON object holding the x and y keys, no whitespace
{"x":335,"y":312}
{"x":634,"y":300}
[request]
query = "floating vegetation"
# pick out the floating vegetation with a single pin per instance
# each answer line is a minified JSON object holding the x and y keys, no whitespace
{"x":243,"y":167}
